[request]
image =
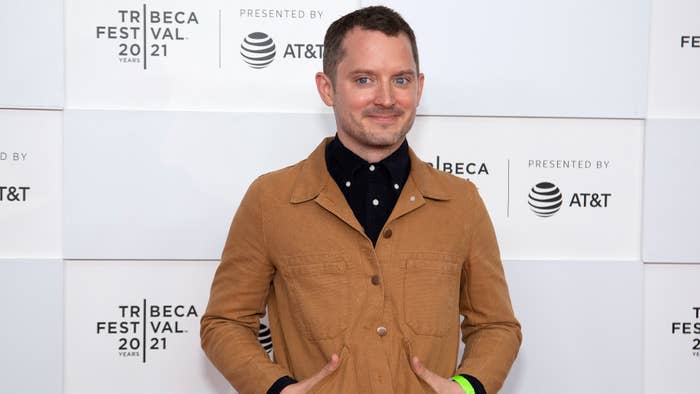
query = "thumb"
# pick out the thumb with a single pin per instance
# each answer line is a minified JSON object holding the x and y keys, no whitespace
{"x":327,"y":369}
{"x":331,"y":365}
{"x":424,"y":373}
{"x":417,"y":366}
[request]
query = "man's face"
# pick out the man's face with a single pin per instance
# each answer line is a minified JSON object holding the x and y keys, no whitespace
{"x":375,"y":92}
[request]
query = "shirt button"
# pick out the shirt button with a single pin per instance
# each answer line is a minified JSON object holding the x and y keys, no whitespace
{"x":381,"y":331}
{"x":347,"y":184}
{"x":375,"y":202}
{"x":396,"y":186}
{"x":387,"y":233}
{"x":371,"y":167}
{"x":375,"y":279}
{"x":412,"y":198}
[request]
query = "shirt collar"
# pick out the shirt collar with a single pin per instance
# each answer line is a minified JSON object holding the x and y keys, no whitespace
{"x":346,"y":162}
{"x":314,"y":177}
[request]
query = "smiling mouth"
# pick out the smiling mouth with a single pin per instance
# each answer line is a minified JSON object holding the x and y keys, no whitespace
{"x":384,"y":118}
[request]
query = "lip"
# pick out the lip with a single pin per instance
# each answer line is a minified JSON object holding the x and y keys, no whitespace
{"x":384,"y":118}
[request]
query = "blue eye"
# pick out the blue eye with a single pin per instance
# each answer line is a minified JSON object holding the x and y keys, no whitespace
{"x":401,"y":81}
{"x":362,"y":80}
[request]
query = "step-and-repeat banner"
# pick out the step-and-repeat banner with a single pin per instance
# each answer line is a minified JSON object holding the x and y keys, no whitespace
{"x":30,"y":183}
{"x":563,"y":58}
{"x":205,"y":55}
{"x":129,"y":132}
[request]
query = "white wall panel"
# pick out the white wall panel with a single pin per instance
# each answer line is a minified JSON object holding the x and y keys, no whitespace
{"x":671,"y":328}
{"x":31,"y":44}
{"x":115,"y":345}
{"x":196,"y":64}
{"x":165,"y":185}
{"x":674,"y":81}
{"x":581,"y":327}
{"x":671,"y":187}
{"x":30,"y":183}
{"x":32,"y":331}
{"x":532,"y":58}
{"x":596,"y":165}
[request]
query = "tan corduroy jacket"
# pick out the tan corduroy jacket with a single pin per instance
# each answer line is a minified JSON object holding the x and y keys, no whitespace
{"x":296,"y":246}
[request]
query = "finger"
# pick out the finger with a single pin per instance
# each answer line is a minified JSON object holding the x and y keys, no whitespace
{"x":424,"y":373}
{"x":327,"y":369}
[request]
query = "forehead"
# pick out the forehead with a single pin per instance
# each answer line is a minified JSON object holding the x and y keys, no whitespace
{"x":370,"y":49}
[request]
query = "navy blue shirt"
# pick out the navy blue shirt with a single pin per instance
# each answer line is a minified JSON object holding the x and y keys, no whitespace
{"x":371,"y":189}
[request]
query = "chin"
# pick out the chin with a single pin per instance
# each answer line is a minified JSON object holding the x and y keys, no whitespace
{"x":386,"y":140}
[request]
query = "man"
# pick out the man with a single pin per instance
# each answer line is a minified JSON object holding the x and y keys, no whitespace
{"x":364,"y":255}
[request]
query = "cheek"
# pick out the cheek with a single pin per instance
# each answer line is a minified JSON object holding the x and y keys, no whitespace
{"x":356,"y":105}
{"x":355,"y":99}
{"x":407,"y":100}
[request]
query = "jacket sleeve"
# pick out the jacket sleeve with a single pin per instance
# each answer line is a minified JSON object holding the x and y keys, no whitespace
{"x":490,"y":331}
{"x":229,"y":327}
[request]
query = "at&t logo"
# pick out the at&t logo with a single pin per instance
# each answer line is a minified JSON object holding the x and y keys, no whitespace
{"x":545,"y":199}
{"x":265,"y":338}
{"x":13,"y":193}
{"x":258,"y":50}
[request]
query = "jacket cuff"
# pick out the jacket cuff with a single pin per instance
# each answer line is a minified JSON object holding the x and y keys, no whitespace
{"x":476,"y":384}
{"x":280,"y":384}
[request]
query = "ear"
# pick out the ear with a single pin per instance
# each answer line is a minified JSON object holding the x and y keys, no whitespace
{"x":421,"y":79}
{"x":325,"y":88}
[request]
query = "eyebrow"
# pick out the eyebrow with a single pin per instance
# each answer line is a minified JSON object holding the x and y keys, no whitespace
{"x":402,"y":72}
{"x":406,"y":72}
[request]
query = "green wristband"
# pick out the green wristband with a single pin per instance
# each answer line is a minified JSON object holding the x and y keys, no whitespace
{"x":468,"y":389}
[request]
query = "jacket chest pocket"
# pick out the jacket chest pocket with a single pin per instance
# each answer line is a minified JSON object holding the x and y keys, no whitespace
{"x":431,"y":295}
{"x":319,"y":294}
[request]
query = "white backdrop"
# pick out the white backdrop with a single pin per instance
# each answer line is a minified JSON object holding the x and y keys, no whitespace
{"x":31,"y":43}
{"x":128,"y":137}
{"x":566,"y":58}
{"x":30,"y":183}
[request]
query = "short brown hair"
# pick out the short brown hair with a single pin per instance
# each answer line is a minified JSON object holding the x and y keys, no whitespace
{"x":377,"y":18}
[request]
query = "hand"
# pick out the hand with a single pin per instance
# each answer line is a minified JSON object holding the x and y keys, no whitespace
{"x":305,"y":385}
{"x":439,"y":384}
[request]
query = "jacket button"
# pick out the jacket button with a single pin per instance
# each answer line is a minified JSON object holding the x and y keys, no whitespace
{"x":375,"y":279}
{"x":381,"y":331}
{"x":387,"y":233}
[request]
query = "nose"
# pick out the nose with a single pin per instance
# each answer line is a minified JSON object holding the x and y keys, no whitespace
{"x":385,"y":95}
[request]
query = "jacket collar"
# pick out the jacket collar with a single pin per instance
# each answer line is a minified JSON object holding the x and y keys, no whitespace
{"x":314,"y":177}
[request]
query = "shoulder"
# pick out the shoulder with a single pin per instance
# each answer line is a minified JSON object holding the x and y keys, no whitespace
{"x":278,"y":178}
{"x":279,"y":185}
